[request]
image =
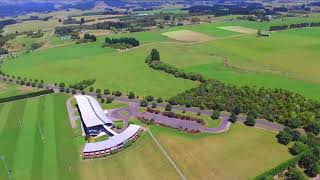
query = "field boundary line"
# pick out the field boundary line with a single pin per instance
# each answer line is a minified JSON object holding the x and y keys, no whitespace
{"x":167,"y":156}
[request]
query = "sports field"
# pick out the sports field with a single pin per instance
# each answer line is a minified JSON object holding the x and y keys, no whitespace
{"x":45,"y":147}
{"x":241,"y":153}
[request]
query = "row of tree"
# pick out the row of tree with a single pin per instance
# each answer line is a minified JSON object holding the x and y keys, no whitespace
{"x":123,"y":40}
{"x":293,"y":26}
{"x":153,"y":60}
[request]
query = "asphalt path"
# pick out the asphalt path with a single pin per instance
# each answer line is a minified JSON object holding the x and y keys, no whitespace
{"x":260,"y":123}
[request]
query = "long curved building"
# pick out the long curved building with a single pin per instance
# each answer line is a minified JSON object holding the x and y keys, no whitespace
{"x":94,"y":121}
{"x":114,"y":143}
{"x":92,"y":116}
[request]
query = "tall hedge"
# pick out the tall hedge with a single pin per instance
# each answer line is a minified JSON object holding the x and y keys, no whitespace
{"x":24,"y":96}
{"x":281,"y":167}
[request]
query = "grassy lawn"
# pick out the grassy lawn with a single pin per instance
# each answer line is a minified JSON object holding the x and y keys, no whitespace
{"x":142,"y":160}
{"x":27,"y":154}
{"x":8,"y":89}
{"x":119,"y":124}
{"x":91,"y":61}
{"x":113,"y":105}
{"x":242,"y":153}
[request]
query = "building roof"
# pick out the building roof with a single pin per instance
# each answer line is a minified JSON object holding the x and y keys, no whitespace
{"x":91,"y":112}
{"x":112,"y":141}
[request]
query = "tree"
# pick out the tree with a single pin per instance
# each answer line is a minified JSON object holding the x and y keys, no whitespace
{"x":284,"y":137}
{"x":168,"y":107}
{"x":143,"y":103}
{"x":102,"y":100}
{"x":98,"y":90}
{"x":109,"y":100}
{"x":106,"y":91}
{"x":154,"y":105}
{"x":298,"y":148}
{"x":118,"y":93}
{"x":236,"y":110}
{"x":313,"y":170}
{"x":73,"y":91}
{"x":91,"y":89}
{"x":308,"y":160}
{"x":233,"y":118}
{"x":250,"y":121}
{"x":155,"y":55}
{"x":159,"y":100}
{"x":131,"y":95}
{"x":82,"y":21}
{"x":314,"y":127}
{"x":294,"y":174}
{"x":149,"y":98}
{"x":215,"y":115}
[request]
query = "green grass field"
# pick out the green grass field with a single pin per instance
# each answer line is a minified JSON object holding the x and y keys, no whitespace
{"x":9,"y":89}
{"x":259,"y":62}
{"x":57,"y":155}
{"x":241,"y":153}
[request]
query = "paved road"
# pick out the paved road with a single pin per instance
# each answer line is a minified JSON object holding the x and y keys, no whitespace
{"x":260,"y":123}
{"x":71,"y":113}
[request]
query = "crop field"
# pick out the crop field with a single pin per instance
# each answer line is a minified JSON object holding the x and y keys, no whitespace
{"x":45,"y":147}
{"x":242,"y":153}
{"x":240,"y":29}
{"x":187,"y":36}
{"x":33,"y":25}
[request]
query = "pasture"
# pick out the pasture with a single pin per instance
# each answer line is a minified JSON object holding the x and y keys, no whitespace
{"x":74,"y":63}
{"x":241,"y":153}
{"x":254,"y":61}
{"x":9,"y":89}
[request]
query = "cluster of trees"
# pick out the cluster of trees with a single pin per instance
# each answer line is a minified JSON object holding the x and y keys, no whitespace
{"x":36,"y":34}
{"x":35,"y":46}
{"x":293,"y":26}
{"x":87,"y":38}
{"x":307,"y":146}
{"x":278,"y":105}
{"x":227,"y":9}
{"x":153,"y":60}
{"x":133,"y":42}
{"x":83,"y":84}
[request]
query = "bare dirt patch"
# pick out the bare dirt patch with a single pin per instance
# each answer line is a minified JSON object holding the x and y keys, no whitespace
{"x":25,"y":89}
{"x":240,"y":29}
{"x":188,"y":36}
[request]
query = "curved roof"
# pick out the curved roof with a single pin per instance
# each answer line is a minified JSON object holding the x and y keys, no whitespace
{"x":112,"y":141}
{"x":91,"y":111}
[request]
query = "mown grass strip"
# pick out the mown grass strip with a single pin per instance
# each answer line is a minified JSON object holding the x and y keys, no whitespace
{"x":67,"y":154}
{"x":39,"y":141}
{"x":9,"y":135}
{"x":25,"y":144}
{"x":50,"y":155}
{"x":4,"y":110}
